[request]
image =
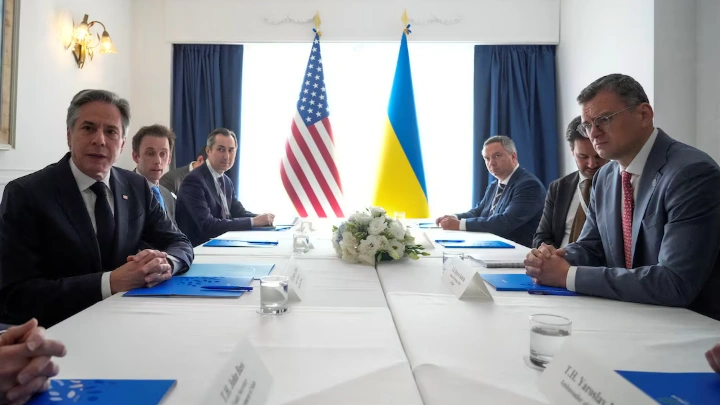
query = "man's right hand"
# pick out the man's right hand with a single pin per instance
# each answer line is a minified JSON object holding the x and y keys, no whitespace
{"x":439,"y":220}
{"x":136,"y":273}
{"x":263,"y":220}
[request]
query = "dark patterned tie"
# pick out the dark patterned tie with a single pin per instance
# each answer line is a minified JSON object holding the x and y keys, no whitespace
{"x":580,"y":216}
{"x":496,"y":200}
{"x":223,"y":200}
{"x":627,"y":217}
{"x":105,"y":224}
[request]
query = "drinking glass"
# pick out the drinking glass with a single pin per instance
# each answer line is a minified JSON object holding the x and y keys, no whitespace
{"x":547,"y":335}
{"x":273,"y":294}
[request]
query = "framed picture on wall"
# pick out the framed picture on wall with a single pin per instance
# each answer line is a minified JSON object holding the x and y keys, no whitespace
{"x":8,"y":71}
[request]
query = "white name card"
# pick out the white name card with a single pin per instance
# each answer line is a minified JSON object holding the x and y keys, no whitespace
{"x":296,"y":281}
{"x":243,"y":380}
{"x":464,"y":281}
{"x":575,"y":378}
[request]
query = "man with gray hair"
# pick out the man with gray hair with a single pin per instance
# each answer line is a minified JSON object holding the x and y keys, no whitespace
{"x":206,"y":205}
{"x":512,"y":205}
{"x":71,"y":233}
{"x":651,"y":234}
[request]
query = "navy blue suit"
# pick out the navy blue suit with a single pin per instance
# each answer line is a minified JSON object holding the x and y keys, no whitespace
{"x":517,"y":213}
{"x":50,"y":265}
{"x":199,"y":208}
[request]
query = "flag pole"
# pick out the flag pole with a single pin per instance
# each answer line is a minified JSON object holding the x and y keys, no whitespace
{"x":317,"y":22}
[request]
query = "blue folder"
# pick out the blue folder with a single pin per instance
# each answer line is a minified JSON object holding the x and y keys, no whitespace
{"x":479,"y":244}
{"x":427,"y":225}
{"x":273,"y":228}
{"x":522,"y":282}
{"x":240,"y":243}
{"x":104,"y":392}
{"x":682,"y":388}
{"x":192,"y":287}
{"x":235,"y":270}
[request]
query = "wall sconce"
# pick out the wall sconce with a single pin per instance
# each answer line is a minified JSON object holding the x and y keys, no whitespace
{"x":82,"y":38}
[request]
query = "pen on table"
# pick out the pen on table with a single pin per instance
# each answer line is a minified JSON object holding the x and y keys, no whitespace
{"x":258,"y":242}
{"x":227,"y":287}
{"x":540,"y":292}
{"x":449,"y":240}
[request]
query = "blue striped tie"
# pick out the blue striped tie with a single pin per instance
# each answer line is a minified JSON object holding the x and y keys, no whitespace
{"x":158,"y":196}
{"x":496,"y":200}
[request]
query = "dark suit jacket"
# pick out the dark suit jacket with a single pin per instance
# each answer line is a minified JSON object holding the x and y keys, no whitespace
{"x":199,"y":208}
{"x":517,"y":213}
{"x":557,"y":203}
{"x":174,"y":178}
{"x":49,"y":256}
{"x":675,"y":236}
{"x":170,"y":201}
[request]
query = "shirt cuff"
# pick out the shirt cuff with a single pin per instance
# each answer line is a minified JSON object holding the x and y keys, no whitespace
{"x":105,"y":289}
{"x":252,"y":223}
{"x":462,"y":224}
{"x":570,"y":280}
{"x":175,"y":264}
{"x":454,"y":216}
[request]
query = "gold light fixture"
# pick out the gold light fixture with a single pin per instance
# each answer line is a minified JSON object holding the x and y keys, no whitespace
{"x":82,"y":39}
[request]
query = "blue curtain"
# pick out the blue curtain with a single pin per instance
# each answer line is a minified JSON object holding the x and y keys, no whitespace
{"x":515,"y":96}
{"x":207,"y":90}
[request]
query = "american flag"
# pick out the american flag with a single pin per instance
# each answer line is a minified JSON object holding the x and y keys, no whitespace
{"x":308,"y":169}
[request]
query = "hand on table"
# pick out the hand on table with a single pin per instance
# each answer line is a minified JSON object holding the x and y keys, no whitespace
{"x":450,"y":224}
{"x":145,"y":269}
{"x":547,"y":266}
{"x":439,"y":220}
{"x":263,"y":220}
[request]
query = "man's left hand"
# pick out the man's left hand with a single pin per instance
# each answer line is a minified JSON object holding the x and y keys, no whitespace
{"x":156,"y":265}
{"x":450,"y":224}
{"x":553,"y":271}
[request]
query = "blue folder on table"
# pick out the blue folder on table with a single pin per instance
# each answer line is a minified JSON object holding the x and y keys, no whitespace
{"x":104,"y":392}
{"x":478,"y":244}
{"x":681,"y":388}
{"x":427,"y":225}
{"x":240,"y":243}
{"x":235,"y":270}
{"x":192,"y":287}
{"x":273,"y":228}
{"x":522,"y":282}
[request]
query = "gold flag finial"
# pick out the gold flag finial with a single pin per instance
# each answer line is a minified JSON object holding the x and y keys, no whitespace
{"x":405,"y":18}
{"x":317,"y":21}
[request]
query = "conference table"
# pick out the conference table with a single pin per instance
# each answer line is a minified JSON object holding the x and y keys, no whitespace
{"x":389,"y":334}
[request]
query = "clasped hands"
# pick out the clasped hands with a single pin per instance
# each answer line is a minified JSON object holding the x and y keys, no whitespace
{"x":148,"y":268}
{"x":547,"y":266}
{"x":448,"y":222}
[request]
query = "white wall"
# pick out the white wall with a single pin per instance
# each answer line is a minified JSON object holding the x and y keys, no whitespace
{"x":675,"y":68}
{"x":48,"y":76}
{"x":708,"y":77}
{"x":599,"y":37}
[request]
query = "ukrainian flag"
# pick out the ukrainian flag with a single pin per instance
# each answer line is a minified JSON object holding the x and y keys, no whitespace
{"x":401,"y":179}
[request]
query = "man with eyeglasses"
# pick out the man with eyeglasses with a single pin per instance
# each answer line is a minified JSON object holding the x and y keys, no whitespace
{"x":512,"y":205}
{"x":651,"y":234}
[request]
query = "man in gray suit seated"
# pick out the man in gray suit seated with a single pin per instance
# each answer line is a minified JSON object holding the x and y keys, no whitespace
{"x":174,"y":178}
{"x":152,"y":148}
{"x":651,"y":234}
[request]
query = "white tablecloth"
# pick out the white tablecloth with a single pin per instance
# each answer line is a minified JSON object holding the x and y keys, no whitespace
{"x":339,"y":346}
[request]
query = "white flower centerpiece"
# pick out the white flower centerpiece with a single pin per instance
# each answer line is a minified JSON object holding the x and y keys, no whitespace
{"x":371,"y":236}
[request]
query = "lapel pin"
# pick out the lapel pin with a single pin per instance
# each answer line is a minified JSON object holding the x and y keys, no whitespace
{"x":124,"y":197}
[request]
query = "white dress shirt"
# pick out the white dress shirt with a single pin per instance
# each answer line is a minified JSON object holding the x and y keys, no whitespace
{"x":503,"y":182}
{"x":635,"y":169}
{"x":223,"y":199}
{"x":570,"y":219}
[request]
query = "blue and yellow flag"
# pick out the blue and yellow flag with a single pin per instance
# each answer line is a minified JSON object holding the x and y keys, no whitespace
{"x":401,"y":179}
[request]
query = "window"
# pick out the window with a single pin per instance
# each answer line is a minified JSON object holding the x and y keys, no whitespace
{"x":358,"y":78}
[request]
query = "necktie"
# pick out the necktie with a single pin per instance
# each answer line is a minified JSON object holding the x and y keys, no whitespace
{"x":580,"y":215}
{"x":223,"y":200}
{"x":105,"y":224}
{"x":627,"y":217}
{"x":496,"y":200}
{"x":158,"y":196}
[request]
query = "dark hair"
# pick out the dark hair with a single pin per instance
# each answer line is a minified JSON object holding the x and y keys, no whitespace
{"x":220,"y":131}
{"x":202,"y":152}
{"x":572,"y":134}
{"x":627,"y":88}
{"x":157,"y":130}
{"x":88,"y":96}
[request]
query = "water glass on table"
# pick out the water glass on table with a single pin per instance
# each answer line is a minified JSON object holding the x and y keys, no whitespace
{"x":547,"y":335}
{"x":301,"y":241}
{"x":400,"y":216}
{"x":448,"y":256}
{"x":273,"y":294}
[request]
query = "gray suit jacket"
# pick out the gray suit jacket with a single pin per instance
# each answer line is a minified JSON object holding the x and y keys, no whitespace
{"x":675,"y":233}
{"x":172,"y":179}
{"x":169,"y":200}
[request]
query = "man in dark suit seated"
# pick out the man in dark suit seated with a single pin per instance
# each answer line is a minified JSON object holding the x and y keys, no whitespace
{"x":26,"y":359}
{"x":174,"y":178}
{"x":152,"y":149}
{"x":70,"y":233}
{"x":651,"y":234}
{"x":568,"y":197}
{"x":512,"y":205}
{"x":207,"y":206}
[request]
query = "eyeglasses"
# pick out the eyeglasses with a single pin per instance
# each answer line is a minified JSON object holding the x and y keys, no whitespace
{"x":601,"y":123}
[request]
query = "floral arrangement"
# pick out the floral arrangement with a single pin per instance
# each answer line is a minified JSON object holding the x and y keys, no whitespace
{"x":370,"y":236}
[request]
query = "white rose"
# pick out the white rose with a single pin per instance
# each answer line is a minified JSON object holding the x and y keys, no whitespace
{"x":362,"y":218}
{"x":370,"y":245}
{"x":397,"y":247}
{"x":349,"y":238}
{"x":348,"y":252}
{"x":377,"y":212}
{"x":377,"y":226}
{"x":397,"y":230}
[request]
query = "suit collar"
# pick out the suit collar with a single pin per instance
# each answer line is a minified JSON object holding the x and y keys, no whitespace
{"x":83,"y":180}
{"x":651,"y":174}
{"x":210,"y":180}
{"x":612,"y":215}
{"x":639,"y":162}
